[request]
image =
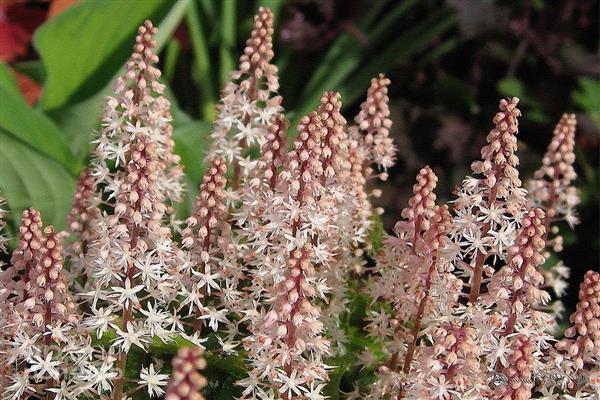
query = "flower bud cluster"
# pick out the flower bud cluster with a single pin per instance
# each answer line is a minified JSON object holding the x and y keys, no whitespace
{"x":552,"y":190}
{"x":516,"y":288}
{"x":49,"y":301}
{"x":249,"y":103}
{"x":552,"y":187}
{"x":274,"y":151}
{"x":39,"y":340}
{"x":373,"y":124}
{"x":15,"y":280}
{"x":186,"y":382}
{"x":83,"y":215}
{"x":488,"y":209}
{"x":208,"y":235}
{"x":582,"y":343}
{"x":499,"y":161}
{"x":519,"y":371}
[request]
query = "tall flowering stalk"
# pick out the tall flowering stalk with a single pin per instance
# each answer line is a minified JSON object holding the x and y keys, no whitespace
{"x":249,"y":102}
{"x":135,"y":265}
{"x":409,"y":271}
{"x":515,"y":289}
{"x":287,"y":346}
{"x":579,"y":352}
{"x":14,"y":282}
{"x":40,"y":315}
{"x":81,"y":218}
{"x":208,"y":235}
{"x":370,"y":144}
{"x":373,"y":124}
{"x":488,"y":209}
{"x":552,"y":190}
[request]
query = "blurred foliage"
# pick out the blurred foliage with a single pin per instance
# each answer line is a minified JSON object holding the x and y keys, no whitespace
{"x":449,"y":62}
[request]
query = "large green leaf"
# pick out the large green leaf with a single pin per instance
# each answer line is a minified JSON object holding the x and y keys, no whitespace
{"x":84,"y":47}
{"x":30,"y":126}
{"x":36,"y":166}
{"x":29,"y":178}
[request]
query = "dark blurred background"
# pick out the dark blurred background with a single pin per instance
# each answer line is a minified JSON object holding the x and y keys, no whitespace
{"x":449,"y":61}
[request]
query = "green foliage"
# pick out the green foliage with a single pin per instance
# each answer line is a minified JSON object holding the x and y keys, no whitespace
{"x":376,"y":234}
{"x":79,"y":68}
{"x":588,"y":98}
{"x":37,"y":168}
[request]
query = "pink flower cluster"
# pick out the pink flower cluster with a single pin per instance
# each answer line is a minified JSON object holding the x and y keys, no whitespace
{"x":277,"y":246}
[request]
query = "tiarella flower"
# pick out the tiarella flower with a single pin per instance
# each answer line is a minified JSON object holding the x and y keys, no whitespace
{"x":515,"y":289}
{"x":270,"y":259}
{"x":84,"y":213}
{"x":39,"y":313}
{"x":517,"y":380}
{"x":492,"y":203}
{"x":16,"y":277}
{"x":581,"y":346}
{"x":552,"y":190}
{"x":369,"y":143}
{"x":153,"y":381}
{"x":135,"y":267}
{"x":373,"y":125}
{"x":408,"y":270}
{"x":212,"y":283}
{"x":186,"y":382}
{"x":287,"y":337}
{"x":249,"y":102}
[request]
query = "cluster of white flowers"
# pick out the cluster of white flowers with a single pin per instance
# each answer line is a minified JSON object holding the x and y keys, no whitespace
{"x":552,"y":190}
{"x":136,"y":268}
{"x":266,"y":258}
{"x":42,"y":347}
{"x":249,"y":102}
{"x":440,"y":342}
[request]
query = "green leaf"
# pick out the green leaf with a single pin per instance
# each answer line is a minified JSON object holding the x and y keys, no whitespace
{"x":332,"y":390}
{"x":404,"y":46}
{"x":375,"y":237}
{"x":202,"y":62}
{"x":33,"y":69}
{"x":79,"y":120}
{"x":34,"y":129}
{"x":7,"y":79}
{"x":29,"y":178}
{"x":511,"y":87}
{"x":228,"y":25}
{"x":84,"y":47}
{"x":588,"y":97}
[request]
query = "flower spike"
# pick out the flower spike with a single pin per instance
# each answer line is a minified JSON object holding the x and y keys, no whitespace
{"x":186,"y":382}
